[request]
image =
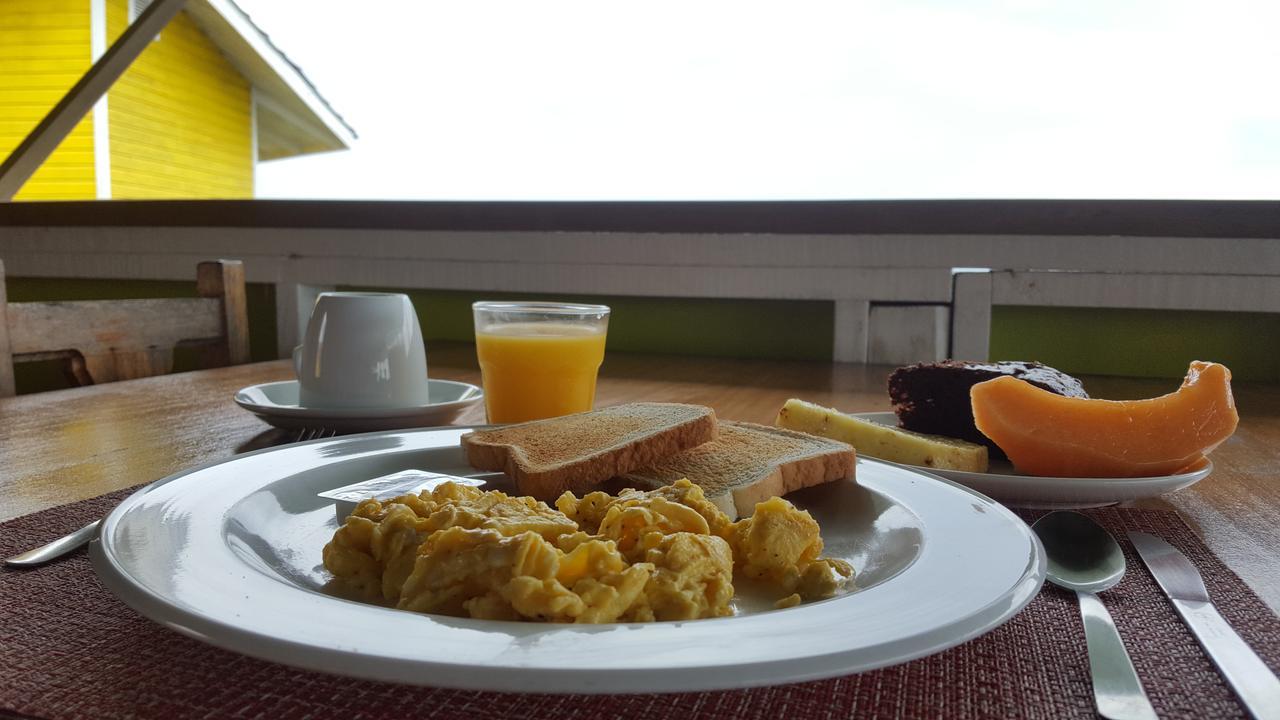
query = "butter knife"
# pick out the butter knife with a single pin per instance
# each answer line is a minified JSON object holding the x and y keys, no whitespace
{"x":1254,"y":683}
{"x":56,"y":549}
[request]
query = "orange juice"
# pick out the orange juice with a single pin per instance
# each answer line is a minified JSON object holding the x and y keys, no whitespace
{"x":539,"y":369}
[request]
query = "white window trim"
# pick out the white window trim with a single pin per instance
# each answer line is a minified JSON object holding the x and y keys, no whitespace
{"x":133,"y":12}
{"x":253,"y":139}
{"x":132,"y":5}
{"x":101,"y":114}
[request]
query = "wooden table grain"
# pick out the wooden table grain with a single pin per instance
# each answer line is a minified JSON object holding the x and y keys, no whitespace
{"x":63,"y":446}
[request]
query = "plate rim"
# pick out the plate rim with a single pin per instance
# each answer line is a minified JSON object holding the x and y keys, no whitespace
{"x":1139,"y":487}
{"x":998,"y":609}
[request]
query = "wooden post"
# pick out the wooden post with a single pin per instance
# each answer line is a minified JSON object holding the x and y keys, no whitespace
{"x":6,"y":353}
{"x":224,"y":279}
{"x":54,"y":128}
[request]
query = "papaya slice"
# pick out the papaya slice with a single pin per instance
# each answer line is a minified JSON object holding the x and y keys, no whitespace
{"x":1048,"y":434}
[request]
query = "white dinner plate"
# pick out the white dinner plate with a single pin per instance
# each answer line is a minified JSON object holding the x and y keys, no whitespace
{"x":230,"y":553}
{"x":1005,"y":484}
{"x":277,"y":404}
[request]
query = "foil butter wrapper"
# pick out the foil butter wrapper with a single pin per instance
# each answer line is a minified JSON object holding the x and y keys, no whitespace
{"x":385,"y":487}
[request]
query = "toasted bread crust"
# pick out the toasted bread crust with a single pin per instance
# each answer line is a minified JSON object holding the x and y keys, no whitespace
{"x":547,"y":457}
{"x":752,"y":463}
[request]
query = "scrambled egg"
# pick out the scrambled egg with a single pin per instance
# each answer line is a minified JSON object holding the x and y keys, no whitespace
{"x":666,"y":554}
{"x":692,"y":578}
{"x":375,"y":551}
{"x":781,"y":544}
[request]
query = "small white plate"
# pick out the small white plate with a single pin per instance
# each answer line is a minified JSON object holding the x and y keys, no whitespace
{"x":277,"y":404}
{"x":1005,"y":484}
{"x":230,"y":554}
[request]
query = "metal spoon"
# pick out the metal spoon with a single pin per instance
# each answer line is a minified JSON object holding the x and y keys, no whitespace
{"x":1085,"y":558}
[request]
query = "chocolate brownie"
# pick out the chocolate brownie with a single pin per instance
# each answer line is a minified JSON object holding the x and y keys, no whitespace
{"x":934,"y":397}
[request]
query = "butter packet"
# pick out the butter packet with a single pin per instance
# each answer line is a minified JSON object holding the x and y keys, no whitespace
{"x":385,"y":487}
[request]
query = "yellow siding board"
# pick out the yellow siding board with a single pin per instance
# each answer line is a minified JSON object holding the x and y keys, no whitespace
{"x":55,"y":15}
{"x":42,"y":67}
{"x":158,"y":189}
{"x":44,"y":82}
{"x":27,"y":114}
{"x":58,"y":27}
{"x":196,"y":173}
{"x":64,"y":174}
{"x":180,"y":118}
{"x":160,"y":192}
{"x":151,"y":108}
{"x":13,"y":127}
{"x":53,"y":193}
{"x":44,"y":49}
{"x":72,"y":145}
{"x":33,"y":97}
{"x":151,"y":173}
{"x":20,"y":128}
{"x":54,"y":190}
{"x":204,"y":153}
{"x":37,"y":52}
{"x":63,"y":36}
{"x":148,"y":110}
{"x":137,"y":131}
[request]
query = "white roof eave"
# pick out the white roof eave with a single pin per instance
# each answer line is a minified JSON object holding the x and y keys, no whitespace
{"x":276,"y":80}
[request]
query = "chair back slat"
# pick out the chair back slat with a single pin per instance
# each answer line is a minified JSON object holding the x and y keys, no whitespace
{"x":107,"y":340}
{"x":97,"y":327}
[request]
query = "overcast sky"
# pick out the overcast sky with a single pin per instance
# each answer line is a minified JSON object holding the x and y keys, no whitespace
{"x":696,"y":99}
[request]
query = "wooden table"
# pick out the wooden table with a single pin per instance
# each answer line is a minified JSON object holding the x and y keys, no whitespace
{"x":63,"y":446}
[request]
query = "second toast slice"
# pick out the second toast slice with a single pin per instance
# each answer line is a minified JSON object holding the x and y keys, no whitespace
{"x":751,"y":463}
{"x":578,"y":452}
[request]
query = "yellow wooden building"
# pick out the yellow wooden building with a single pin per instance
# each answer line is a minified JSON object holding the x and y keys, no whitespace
{"x":206,"y":101}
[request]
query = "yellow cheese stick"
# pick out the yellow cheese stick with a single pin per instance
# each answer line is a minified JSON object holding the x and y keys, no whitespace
{"x":881,"y":441}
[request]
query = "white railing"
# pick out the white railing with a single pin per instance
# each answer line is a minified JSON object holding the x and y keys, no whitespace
{"x":898,"y":298}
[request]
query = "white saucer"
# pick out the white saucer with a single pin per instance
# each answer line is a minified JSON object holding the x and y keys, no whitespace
{"x":277,"y":404}
{"x":1005,"y":484}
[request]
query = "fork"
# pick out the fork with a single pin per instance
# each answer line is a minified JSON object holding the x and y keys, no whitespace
{"x":314,"y":433}
{"x":71,"y":542}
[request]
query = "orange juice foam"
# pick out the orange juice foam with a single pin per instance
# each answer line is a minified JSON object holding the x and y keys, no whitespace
{"x":538,"y":370}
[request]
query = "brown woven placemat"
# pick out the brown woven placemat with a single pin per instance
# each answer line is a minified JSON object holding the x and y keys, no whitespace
{"x":69,"y":649}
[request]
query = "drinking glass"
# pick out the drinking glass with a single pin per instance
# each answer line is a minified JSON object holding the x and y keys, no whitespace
{"x":539,"y":359}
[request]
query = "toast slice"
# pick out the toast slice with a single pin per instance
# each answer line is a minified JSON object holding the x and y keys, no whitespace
{"x":751,"y":463}
{"x":578,"y":452}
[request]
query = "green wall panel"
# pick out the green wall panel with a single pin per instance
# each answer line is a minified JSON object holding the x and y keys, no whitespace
{"x":1138,"y":343}
{"x":782,"y":329}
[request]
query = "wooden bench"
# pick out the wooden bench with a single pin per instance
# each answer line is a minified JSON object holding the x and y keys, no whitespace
{"x":107,"y":340}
